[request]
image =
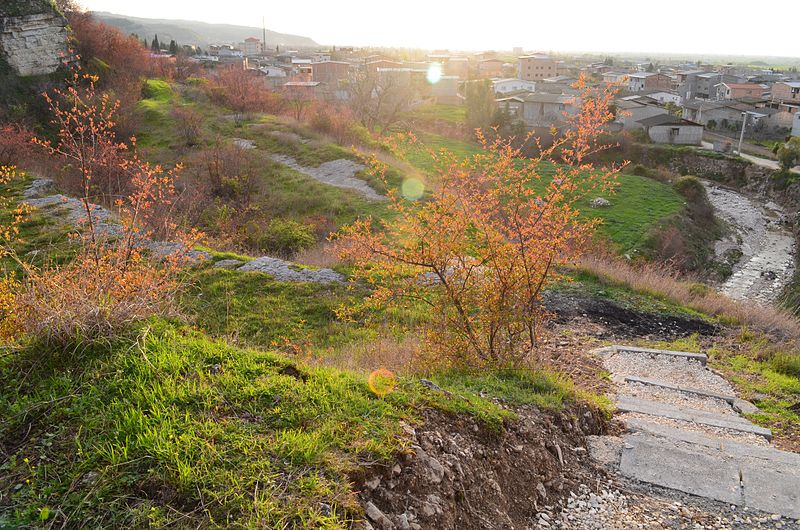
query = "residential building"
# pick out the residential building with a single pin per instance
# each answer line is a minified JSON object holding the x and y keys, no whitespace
{"x":251,"y":46}
{"x":639,"y":81}
{"x":707,"y":84}
{"x":536,"y":67}
{"x":330,"y":72}
{"x":457,"y":66}
{"x":538,"y":110}
{"x":505,"y":86}
{"x":612,"y":78}
{"x":739,"y":90}
{"x":376,"y":64}
{"x":796,"y":124}
{"x":629,"y":112}
{"x":490,"y":68}
{"x":446,"y":90}
{"x":786,"y":92}
{"x":669,"y":129}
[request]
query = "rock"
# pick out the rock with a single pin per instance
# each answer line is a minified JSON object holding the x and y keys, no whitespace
{"x":38,"y":188}
{"x":33,"y":37}
{"x":541,"y":491}
{"x":244,"y":144}
{"x":599,"y":202}
{"x":287,"y":271}
{"x":402,"y":522}
{"x":378,"y":517}
{"x":373,"y":483}
{"x":434,"y":471}
{"x":228,"y":264}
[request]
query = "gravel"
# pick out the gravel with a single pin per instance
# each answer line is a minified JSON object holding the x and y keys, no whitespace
{"x":340,"y":173}
{"x":611,"y":504}
{"x":705,"y":430}
{"x":674,"y":370}
{"x":679,"y":399}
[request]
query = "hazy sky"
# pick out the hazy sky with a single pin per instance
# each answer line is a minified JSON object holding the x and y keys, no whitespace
{"x":681,"y":26}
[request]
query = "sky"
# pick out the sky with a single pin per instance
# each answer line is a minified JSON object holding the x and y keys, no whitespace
{"x":668,"y":26}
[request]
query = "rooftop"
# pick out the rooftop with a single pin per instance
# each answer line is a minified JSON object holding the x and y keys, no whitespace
{"x":666,"y":119}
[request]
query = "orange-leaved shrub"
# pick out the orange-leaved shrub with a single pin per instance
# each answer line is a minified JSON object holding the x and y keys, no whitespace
{"x":119,"y":275}
{"x":481,"y":249}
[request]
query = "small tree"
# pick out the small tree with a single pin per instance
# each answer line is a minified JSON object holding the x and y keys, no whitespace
{"x":789,"y":153}
{"x":480,"y":103}
{"x":492,"y":236}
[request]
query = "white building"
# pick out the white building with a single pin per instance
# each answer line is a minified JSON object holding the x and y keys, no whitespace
{"x":669,"y":129}
{"x":796,"y":125}
{"x":505,"y":86}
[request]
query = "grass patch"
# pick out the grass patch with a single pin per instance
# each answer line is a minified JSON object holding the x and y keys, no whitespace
{"x":172,"y":428}
{"x":456,"y":114}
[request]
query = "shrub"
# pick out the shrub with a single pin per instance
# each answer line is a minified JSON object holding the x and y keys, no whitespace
{"x":481,"y":250}
{"x":690,"y":187}
{"x":284,"y":237}
{"x":786,"y":363}
{"x":111,"y":283}
{"x":10,"y":314}
{"x":639,"y":170}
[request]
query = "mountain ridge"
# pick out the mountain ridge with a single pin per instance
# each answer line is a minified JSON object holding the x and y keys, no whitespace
{"x":198,"y":33}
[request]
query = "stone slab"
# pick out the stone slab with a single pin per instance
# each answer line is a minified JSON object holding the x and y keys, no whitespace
{"x":654,"y":408}
{"x":681,"y":466}
{"x":771,"y":487}
{"x":685,"y":390}
{"x":770,"y":478}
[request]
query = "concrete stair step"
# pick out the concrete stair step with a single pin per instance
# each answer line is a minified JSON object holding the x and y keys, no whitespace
{"x":664,"y":410}
{"x":758,"y":477}
{"x":610,"y":350}
{"x":739,"y":405}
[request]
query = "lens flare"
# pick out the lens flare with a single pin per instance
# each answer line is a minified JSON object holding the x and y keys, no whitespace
{"x":434,"y":73}
{"x":412,"y":189}
{"x":382,"y":382}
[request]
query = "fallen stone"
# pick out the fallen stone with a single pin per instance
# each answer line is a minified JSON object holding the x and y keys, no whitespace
{"x":378,"y":517}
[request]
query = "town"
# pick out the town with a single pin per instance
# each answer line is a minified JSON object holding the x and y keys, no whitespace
{"x":398,"y":266}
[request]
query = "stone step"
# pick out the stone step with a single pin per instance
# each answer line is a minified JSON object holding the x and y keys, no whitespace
{"x":664,"y":410}
{"x":700,"y":357}
{"x":757,"y":477}
{"x":676,"y":388}
{"x":739,"y":405}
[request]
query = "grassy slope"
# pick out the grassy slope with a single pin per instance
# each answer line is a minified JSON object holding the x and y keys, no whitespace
{"x":637,"y":206}
{"x":174,"y":428}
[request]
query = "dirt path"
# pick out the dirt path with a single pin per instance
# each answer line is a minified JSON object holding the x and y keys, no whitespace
{"x":767,"y":248}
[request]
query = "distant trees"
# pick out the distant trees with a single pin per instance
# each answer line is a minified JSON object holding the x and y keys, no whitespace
{"x":242,"y":91}
{"x":155,"y":46}
{"x":379,"y":101}
{"x":481,"y":109}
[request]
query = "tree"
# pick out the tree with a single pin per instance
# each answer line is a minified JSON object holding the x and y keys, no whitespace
{"x":789,"y":153}
{"x":651,"y":67}
{"x":156,"y":47}
{"x":480,"y":102}
{"x":480,"y":251}
{"x":378,"y":101}
{"x":241,"y":90}
{"x":173,"y":47}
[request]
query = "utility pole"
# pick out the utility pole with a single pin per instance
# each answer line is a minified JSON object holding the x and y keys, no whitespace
{"x":264,"y":41}
{"x":741,"y":136}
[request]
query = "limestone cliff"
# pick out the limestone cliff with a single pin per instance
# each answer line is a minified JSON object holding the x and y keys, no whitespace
{"x":33,"y":36}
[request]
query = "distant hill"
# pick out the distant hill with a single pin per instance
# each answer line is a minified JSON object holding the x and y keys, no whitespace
{"x":198,"y":33}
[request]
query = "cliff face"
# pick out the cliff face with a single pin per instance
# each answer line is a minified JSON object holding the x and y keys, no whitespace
{"x":33,"y":37}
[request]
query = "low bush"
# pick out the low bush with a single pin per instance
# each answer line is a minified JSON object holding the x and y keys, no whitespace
{"x":786,"y":363}
{"x":284,"y":237}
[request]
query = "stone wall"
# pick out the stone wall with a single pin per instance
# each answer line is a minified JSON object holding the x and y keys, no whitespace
{"x":34,"y":43}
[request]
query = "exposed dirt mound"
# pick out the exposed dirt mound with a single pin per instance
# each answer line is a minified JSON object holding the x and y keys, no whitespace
{"x":623,"y":322}
{"x":458,"y":474}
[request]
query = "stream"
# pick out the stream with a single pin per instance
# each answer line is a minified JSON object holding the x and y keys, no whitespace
{"x":767,"y":246}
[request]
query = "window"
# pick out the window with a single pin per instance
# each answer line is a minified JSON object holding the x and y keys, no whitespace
{"x":674,"y":131}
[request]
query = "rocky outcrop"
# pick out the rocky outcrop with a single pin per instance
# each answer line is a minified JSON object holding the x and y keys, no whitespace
{"x":33,"y":37}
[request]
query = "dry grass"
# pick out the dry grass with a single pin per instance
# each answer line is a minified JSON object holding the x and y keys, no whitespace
{"x":399,"y":356}
{"x":320,"y":255}
{"x":652,"y":279}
